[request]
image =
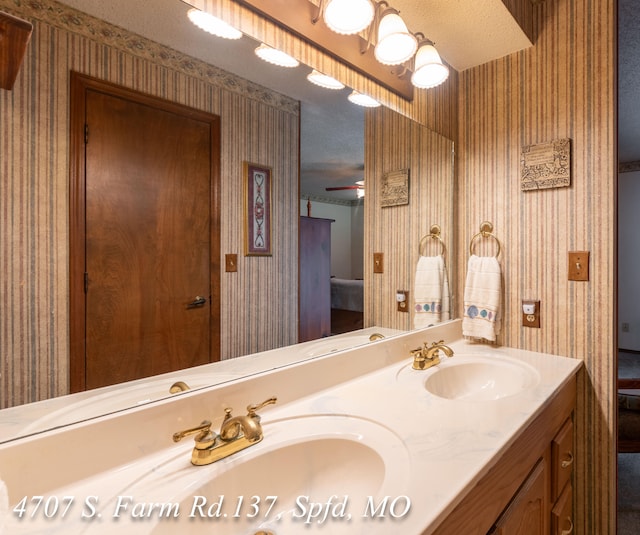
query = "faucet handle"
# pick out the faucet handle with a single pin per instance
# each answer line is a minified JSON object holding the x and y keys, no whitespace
{"x":251,"y":409}
{"x":204,"y":436}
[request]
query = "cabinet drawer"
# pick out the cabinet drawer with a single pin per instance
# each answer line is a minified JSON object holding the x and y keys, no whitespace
{"x":562,"y":514}
{"x":561,"y":459}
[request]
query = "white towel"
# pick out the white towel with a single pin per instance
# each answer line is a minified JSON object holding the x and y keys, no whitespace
{"x":482,"y":297}
{"x":430,"y":292}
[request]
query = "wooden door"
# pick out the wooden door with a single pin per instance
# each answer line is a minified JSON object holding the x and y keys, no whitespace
{"x":151,"y":275}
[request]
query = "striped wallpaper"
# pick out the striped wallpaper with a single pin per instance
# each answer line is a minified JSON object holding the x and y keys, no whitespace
{"x":393,"y":142}
{"x":256,"y":125}
{"x":563,"y":87}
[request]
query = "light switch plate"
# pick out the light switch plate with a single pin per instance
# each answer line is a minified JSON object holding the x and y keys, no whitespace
{"x":578,"y":265}
{"x":231,"y":263}
{"x":378,"y":262}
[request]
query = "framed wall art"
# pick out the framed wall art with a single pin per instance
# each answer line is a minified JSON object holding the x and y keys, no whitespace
{"x":257,"y":181}
{"x":546,"y":165}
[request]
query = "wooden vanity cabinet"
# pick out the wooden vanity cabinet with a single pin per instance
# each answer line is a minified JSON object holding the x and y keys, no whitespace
{"x":528,"y":490}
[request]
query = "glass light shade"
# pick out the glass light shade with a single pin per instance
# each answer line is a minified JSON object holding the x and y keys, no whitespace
{"x":363,"y":100}
{"x":395,"y":43}
{"x":429,"y":71}
{"x":213,"y":25}
{"x":323,"y":80}
{"x":348,"y":16}
{"x":271,"y":55}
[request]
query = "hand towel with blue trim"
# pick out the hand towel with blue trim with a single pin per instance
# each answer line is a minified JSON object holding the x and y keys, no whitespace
{"x":431,"y":292}
{"x":482,"y":297}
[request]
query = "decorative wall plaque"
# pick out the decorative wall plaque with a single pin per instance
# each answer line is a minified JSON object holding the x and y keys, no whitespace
{"x":395,"y":188}
{"x":546,"y":165}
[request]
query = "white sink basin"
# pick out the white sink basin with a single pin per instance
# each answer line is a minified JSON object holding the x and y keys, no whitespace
{"x":281,"y":484}
{"x":480,"y":378}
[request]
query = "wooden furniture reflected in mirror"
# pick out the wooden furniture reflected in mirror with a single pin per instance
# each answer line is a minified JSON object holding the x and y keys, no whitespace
{"x":629,"y":415}
{"x":15,"y":34}
{"x":315,"y":278}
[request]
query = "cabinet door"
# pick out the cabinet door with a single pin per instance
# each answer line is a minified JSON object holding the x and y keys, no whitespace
{"x":527,"y":513}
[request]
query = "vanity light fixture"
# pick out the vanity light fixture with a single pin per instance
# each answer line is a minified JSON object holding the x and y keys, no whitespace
{"x":277,"y":57}
{"x":348,"y":17}
{"x":323,"y":80}
{"x":396,"y":44}
{"x":428,"y":71}
{"x":363,"y":100}
{"x":213,"y":25}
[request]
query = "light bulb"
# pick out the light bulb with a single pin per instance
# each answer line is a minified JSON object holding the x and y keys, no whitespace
{"x":348,"y":16}
{"x":272,"y":55}
{"x":213,"y":25}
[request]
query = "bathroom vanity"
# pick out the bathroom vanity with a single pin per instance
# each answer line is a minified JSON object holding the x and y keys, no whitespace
{"x":357,"y":443}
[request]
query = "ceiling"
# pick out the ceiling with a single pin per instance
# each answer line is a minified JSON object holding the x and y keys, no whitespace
{"x":466,"y":33}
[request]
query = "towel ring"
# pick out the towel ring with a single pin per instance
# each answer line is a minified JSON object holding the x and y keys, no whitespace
{"x":434,"y":234}
{"x":486,"y":231}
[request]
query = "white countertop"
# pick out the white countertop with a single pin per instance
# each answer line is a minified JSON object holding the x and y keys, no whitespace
{"x":434,"y":449}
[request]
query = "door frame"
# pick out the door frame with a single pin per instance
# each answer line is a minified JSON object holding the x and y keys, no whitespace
{"x":79,"y":84}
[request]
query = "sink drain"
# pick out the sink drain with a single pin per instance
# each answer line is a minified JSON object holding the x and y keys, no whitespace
{"x":264,"y":533}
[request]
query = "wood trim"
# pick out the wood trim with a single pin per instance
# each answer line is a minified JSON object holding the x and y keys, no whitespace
{"x":476,"y":513}
{"x":79,"y":84}
{"x":215,"y":240}
{"x":77,"y":235}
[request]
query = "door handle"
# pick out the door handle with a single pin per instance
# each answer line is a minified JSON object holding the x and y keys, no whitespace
{"x":197,"y":302}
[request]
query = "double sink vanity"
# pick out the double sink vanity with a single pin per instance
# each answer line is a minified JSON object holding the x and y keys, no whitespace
{"x":356,"y":441}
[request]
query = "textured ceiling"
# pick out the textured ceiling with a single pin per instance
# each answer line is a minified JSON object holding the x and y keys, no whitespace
{"x":467,"y":33}
{"x":629,"y":80}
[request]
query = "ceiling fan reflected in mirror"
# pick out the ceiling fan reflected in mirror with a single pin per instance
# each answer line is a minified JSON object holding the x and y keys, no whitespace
{"x":358,"y":186}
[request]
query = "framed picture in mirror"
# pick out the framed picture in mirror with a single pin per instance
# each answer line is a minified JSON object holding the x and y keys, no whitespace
{"x":395,"y":188}
{"x":257,"y":186}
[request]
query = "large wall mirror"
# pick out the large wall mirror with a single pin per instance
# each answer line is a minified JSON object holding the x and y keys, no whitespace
{"x":364,"y":144}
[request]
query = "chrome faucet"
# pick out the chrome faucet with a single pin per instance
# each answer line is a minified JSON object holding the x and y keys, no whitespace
{"x":236,"y":434}
{"x":427,"y":356}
